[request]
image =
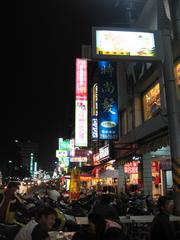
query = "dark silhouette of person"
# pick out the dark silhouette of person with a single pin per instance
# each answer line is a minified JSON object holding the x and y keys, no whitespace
{"x":162,"y":228}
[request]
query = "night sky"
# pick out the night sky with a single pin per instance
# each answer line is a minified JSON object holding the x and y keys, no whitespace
{"x":40,"y":40}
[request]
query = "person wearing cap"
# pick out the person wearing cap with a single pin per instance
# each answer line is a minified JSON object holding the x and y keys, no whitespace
{"x":9,"y":203}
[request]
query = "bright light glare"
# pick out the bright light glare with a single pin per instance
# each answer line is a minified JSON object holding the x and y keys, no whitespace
{"x":39,"y":182}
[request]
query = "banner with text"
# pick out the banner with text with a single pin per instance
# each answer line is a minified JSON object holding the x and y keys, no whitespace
{"x":81,"y":105}
{"x":107,"y":101}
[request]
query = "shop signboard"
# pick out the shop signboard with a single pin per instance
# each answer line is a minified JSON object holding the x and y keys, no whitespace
{"x":95,"y":100}
{"x":104,"y":153}
{"x":64,"y":144}
{"x":78,"y":159}
{"x":94,"y":128}
{"x":131,"y":168}
{"x":96,"y":159}
{"x":126,"y":44}
{"x":81,"y":152}
{"x":65,"y":161}
{"x":107,"y":101}
{"x":81,"y":104}
{"x":61,"y":153}
{"x":72,"y":148}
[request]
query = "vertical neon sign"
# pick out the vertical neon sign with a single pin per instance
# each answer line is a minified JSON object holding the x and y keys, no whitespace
{"x":81,"y":113}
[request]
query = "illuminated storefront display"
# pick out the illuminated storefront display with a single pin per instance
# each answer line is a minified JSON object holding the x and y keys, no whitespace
{"x":131,"y":171}
{"x":131,"y":168}
{"x":151,"y":102}
{"x":177,"y":73}
{"x":107,"y":101}
{"x":81,"y":112}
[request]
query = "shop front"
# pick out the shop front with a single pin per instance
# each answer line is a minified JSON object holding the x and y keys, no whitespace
{"x":133,"y":172}
{"x":157,"y":172}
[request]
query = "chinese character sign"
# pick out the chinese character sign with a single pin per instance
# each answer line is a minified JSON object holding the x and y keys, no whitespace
{"x":81,"y":112}
{"x":64,"y":144}
{"x":107,"y":101}
{"x":131,"y":168}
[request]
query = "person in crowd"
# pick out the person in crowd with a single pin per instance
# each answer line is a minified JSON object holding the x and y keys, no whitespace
{"x":9,"y":203}
{"x":53,"y":194}
{"x":99,"y":225}
{"x":114,"y":234}
{"x":162,"y":228}
{"x":38,"y":229}
{"x":84,"y":235}
{"x":104,"y":209}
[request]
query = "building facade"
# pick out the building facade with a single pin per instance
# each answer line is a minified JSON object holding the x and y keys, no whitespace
{"x":143,"y":108}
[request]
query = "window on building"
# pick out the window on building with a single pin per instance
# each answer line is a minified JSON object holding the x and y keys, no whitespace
{"x":151,"y":102}
{"x":177,"y":73}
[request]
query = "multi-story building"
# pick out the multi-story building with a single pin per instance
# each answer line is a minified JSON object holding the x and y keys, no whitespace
{"x":29,"y":155}
{"x":143,"y":107}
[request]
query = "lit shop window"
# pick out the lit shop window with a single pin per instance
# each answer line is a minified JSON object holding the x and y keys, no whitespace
{"x":151,"y":102}
{"x":177,"y":73}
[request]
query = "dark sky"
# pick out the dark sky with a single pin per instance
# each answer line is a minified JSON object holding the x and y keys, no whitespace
{"x":40,"y":40}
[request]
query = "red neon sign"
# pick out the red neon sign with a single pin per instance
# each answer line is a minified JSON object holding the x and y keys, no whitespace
{"x":81,"y":79}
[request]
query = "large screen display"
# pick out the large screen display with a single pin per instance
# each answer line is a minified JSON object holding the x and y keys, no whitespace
{"x":119,"y":43}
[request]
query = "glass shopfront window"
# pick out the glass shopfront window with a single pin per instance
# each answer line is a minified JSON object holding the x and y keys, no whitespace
{"x":151,"y":102}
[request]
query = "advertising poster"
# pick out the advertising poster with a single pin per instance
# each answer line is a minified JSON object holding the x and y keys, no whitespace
{"x":107,"y":101}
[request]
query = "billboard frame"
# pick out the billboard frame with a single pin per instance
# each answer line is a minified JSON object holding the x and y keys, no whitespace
{"x":157,"y":39}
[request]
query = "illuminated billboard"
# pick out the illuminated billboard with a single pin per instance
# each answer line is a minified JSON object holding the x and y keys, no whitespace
{"x":64,"y":144}
{"x":61,"y":153}
{"x":81,"y":104}
{"x":117,"y":43}
{"x":78,"y":159}
{"x":104,"y":153}
{"x":107,"y":101}
{"x":72,"y":148}
{"x":95,"y":100}
{"x":94,"y":128}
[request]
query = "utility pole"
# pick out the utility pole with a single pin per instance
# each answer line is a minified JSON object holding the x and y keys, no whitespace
{"x":172,"y":102}
{"x":176,"y":17}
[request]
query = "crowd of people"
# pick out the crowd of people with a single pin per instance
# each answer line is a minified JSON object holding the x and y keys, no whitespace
{"x":103,"y":217}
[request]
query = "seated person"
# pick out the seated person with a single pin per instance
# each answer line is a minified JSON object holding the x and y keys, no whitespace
{"x":38,"y":230}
